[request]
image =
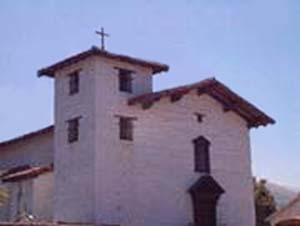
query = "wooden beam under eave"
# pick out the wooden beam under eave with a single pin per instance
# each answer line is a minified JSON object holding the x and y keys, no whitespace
{"x":230,"y":107}
{"x":175,"y":97}
{"x":201,"y":91}
{"x":147,"y":104}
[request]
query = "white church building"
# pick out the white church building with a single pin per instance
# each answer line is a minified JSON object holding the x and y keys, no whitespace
{"x":121,"y":154}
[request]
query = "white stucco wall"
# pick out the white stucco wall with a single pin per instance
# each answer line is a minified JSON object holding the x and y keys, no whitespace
{"x":42,"y":200}
{"x":145,"y":182}
{"x":108,"y":158}
{"x":101,"y":179}
{"x":76,"y":185}
{"x":32,"y":196}
{"x":74,"y":163}
{"x":37,"y":150}
{"x":19,"y":200}
{"x":104,"y":180}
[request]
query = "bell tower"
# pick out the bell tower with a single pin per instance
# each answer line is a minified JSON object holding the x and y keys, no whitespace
{"x":91,"y":93}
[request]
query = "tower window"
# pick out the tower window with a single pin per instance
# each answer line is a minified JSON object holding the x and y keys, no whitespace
{"x":74,"y":83}
{"x":201,"y":155}
{"x":126,"y":128}
{"x":73,"y":130}
{"x":125,"y":80}
{"x":199,"y":117}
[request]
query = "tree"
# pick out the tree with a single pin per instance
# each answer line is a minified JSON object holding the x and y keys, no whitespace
{"x":265,"y":203}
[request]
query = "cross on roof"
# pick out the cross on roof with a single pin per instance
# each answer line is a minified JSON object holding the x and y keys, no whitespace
{"x":103,"y":35}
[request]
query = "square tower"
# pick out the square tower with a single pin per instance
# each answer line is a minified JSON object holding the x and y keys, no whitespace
{"x":91,"y":91}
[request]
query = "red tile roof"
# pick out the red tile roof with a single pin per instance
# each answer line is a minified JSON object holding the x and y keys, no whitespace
{"x":24,"y":173}
{"x":286,"y":207}
{"x":51,"y":224}
{"x":15,"y":170}
{"x":95,"y":51}
{"x":218,"y":91}
{"x":27,"y":224}
{"x":44,"y":224}
{"x":46,"y":130}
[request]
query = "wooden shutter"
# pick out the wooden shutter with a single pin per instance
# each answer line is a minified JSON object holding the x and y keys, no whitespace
{"x":73,"y":130}
{"x":202,"y":160}
{"x":73,"y":83}
{"x":125,"y":81}
{"x":126,"y":128}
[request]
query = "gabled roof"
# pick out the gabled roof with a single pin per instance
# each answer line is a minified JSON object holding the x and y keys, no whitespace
{"x":24,"y":173}
{"x":95,"y":51}
{"x":212,"y":87}
{"x":207,"y":184}
{"x":27,"y":136}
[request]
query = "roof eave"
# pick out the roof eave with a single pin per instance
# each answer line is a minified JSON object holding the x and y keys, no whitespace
{"x":231,"y":101}
{"x":94,"y":51}
{"x":27,"y":136}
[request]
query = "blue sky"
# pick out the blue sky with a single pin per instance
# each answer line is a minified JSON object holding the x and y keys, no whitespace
{"x":252,"y":46}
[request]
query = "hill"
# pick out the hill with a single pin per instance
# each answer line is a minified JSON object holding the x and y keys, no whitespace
{"x":282,"y":194}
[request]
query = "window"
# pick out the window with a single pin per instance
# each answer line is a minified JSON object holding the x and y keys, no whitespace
{"x":126,"y":128}
{"x":73,"y":130}
{"x":202,"y":161}
{"x":125,"y":80}
{"x":74,"y":83}
{"x":199,"y":117}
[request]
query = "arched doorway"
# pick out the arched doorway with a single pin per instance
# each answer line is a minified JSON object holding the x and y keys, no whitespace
{"x":289,"y":222}
{"x":205,"y":194}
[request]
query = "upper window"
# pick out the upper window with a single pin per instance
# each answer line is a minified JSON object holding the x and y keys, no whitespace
{"x":73,"y":130}
{"x":199,"y":117}
{"x":74,"y":83}
{"x":126,"y":128}
{"x":125,"y":80}
{"x":202,"y":159}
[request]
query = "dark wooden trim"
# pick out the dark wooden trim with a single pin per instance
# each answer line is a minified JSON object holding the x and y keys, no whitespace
{"x":175,"y":97}
{"x":205,"y":194}
{"x":126,"y":116}
{"x":95,"y":51}
{"x":125,"y":69}
{"x":76,"y":117}
{"x":147,"y":104}
{"x":218,"y":91}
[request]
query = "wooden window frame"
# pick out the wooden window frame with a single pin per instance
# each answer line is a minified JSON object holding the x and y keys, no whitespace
{"x":126,"y":128}
{"x":199,"y":117}
{"x":202,"y":155}
{"x":74,"y":82}
{"x":125,"y":80}
{"x":73,"y":129}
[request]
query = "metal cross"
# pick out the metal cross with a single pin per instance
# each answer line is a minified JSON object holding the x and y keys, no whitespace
{"x":103,"y":35}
